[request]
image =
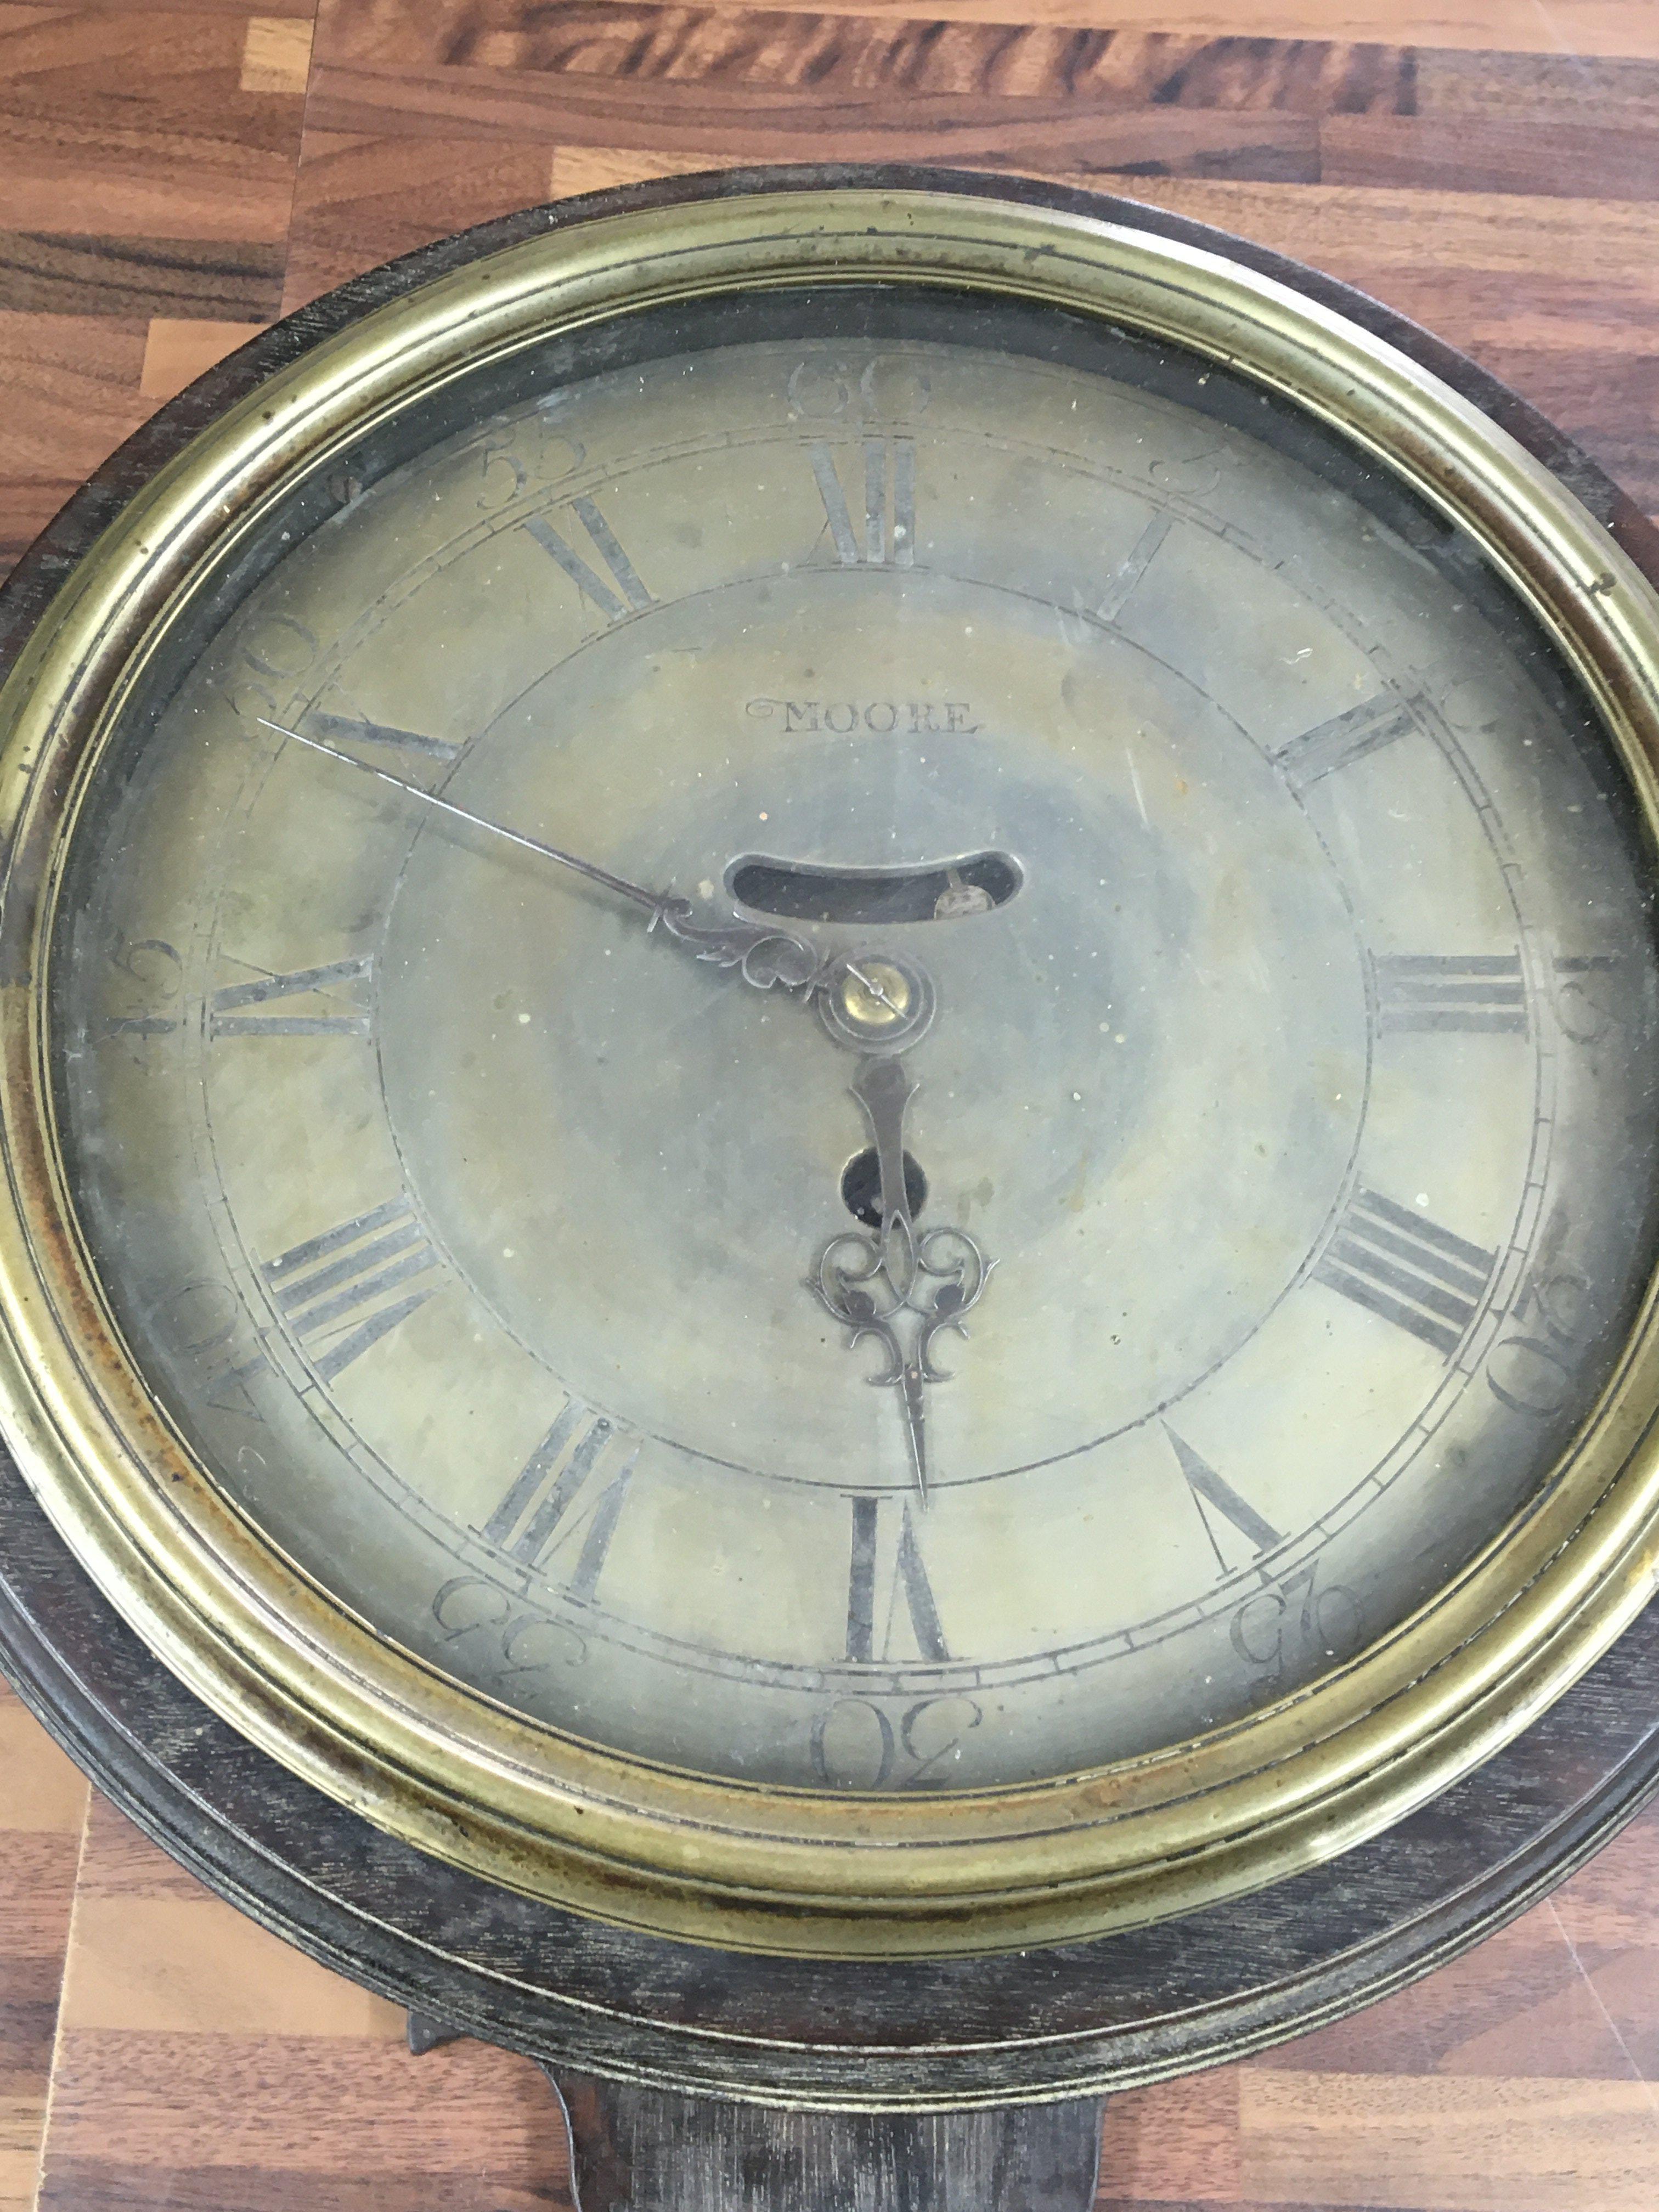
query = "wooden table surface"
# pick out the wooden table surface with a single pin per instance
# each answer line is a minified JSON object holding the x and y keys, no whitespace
{"x":172,"y":176}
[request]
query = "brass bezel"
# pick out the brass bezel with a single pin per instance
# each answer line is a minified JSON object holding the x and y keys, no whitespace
{"x":716,"y":1861}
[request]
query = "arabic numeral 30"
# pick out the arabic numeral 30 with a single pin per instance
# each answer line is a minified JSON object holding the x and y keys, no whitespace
{"x":857,"y":1746}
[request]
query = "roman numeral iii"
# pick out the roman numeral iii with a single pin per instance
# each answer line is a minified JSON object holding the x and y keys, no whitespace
{"x":1410,"y":1271}
{"x":341,"y":1292}
{"x":885,"y":531}
{"x":1451,"y":991}
{"x":572,"y":1488}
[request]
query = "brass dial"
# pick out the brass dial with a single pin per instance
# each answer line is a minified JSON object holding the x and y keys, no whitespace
{"x":871,"y":1046}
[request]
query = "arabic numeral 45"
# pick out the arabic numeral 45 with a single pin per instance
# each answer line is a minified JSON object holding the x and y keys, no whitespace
{"x":270,"y":661}
{"x":207,"y":1326}
{"x":146,"y":997}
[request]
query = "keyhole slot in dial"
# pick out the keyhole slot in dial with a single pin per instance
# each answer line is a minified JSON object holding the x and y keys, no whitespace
{"x":860,"y":1186}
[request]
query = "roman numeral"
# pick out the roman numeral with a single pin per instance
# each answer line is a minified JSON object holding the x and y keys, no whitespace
{"x":227,"y":1014}
{"x":1341,"y":741}
{"x":872,"y":544}
{"x":1412,"y":1272}
{"x":630,"y":596}
{"x":350,"y":729}
{"x":1585,"y":963}
{"x":230,"y":1391}
{"x":540,"y":1514}
{"x":868,"y":1635}
{"x":1128,"y":573}
{"x":1449,"y":991}
{"x":336,"y":1292}
{"x":1210,"y":1491}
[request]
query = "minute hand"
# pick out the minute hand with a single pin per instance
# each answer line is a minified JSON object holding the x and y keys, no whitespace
{"x":764,"y":956}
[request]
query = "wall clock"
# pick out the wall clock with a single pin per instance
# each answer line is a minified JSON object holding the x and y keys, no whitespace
{"x":827,"y":1271}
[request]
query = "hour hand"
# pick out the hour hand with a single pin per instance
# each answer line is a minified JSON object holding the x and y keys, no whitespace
{"x":894,"y":1286}
{"x":883,"y":1089}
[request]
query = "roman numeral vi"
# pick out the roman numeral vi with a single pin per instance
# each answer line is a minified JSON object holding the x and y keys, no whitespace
{"x":869,"y":1629}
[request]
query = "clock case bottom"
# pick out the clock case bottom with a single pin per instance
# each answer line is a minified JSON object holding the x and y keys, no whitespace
{"x":905,"y":2038}
{"x":631,"y":2025}
{"x":646,"y":2150}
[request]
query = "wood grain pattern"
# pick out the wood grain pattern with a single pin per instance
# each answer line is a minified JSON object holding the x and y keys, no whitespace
{"x":172,"y":176}
{"x":650,"y":2150}
{"x":203,"y":2064}
{"x":204,"y":2067}
{"x":43,"y":1811}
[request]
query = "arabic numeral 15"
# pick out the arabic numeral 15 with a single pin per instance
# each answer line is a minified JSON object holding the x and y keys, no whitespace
{"x":1531,"y":1370}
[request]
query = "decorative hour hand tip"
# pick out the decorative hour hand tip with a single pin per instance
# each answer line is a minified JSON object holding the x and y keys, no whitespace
{"x":764,"y":954}
{"x":891,"y":1284}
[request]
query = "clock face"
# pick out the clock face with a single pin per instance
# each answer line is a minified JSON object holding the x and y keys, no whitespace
{"x":861,"y":1045}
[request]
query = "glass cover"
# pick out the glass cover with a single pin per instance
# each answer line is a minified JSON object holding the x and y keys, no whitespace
{"x":864,"y":1041}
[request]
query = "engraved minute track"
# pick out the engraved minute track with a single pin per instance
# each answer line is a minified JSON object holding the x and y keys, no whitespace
{"x":866,"y":1064}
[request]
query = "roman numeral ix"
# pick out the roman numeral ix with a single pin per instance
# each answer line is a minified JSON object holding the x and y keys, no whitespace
{"x":629,"y":595}
{"x":1410,"y":1271}
{"x":338,"y":1011}
{"x":871,"y":543}
{"x":341,"y":1292}
{"x":557,"y":1492}
{"x":1450,"y":991}
{"x":869,"y":1634}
